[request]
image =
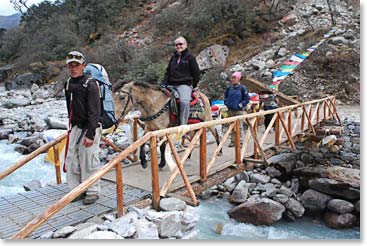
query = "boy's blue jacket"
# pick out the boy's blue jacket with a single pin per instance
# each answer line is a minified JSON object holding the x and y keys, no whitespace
{"x":234,"y":96}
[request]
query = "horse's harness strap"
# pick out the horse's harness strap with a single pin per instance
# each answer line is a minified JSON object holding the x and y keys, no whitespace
{"x":156,"y":115}
{"x":129,"y":97}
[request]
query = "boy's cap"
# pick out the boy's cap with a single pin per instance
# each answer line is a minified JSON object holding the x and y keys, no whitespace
{"x":237,"y":75}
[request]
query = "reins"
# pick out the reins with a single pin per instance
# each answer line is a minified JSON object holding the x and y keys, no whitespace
{"x":149,"y":118}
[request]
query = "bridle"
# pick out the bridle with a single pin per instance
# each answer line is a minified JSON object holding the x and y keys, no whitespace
{"x":129,"y":98}
{"x":149,"y":118}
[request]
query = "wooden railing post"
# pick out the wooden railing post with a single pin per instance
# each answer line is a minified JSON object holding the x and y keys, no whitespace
{"x":135,"y":137}
{"x":303,"y":120}
{"x":203,"y":174}
{"x":310,"y":114}
{"x":189,"y":189}
{"x":154,"y":168}
{"x":256,"y":153}
{"x":290,"y":122}
{"x":277,"y":131}
{"x":57,"y":164}
{"x":120,"y":190}
{"x":237,"y":141}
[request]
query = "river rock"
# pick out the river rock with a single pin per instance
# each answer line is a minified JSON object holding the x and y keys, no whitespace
{"x":340,"y":206}
{"x":146,"y":230}
{"x":242,"y":176}
{"x":240,"y":193}
{"x":344,"y":175}
{"x":82,"y":233}
{"x":189,"y":219}
{"x":273,"y":172}
{"x":4,"y":133}
{"x":314,"y":201}
{"x":262,"y":211}
{"x":340,"y":221}
{"x":123,"y":226}
{"x":16,"y":102}
{"x":295,"y":207}
{"x":103,"y":235}
{"x":259,"y":178}
{"x":333,"y":187}
{"x":57,"y":123}
{"x":64,"y":232}
{"x":281,"y":198}
{"x":23,"y":81}
{"x":285,"y":162}
{"x":172,"y":204}
{"x":170,"y":224}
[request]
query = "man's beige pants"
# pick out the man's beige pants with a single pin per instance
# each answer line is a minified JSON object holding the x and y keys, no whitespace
{"x":82,"y":162}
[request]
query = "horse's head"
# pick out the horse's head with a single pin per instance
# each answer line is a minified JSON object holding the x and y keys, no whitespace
{"x":123,"y":100}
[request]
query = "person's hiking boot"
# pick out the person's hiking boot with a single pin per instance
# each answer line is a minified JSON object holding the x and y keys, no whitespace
{"x":78,"y":198}
{"x":90,"y":199}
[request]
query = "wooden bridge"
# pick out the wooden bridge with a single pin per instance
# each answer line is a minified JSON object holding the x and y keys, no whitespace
{"x":127,"y":185}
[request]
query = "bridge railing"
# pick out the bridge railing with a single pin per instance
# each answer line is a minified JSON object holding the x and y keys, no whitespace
{"x":53,"y":144}
{"x":282,"y":119}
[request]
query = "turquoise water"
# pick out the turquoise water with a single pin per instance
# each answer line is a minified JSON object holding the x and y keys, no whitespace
{"x":213,"y":212}
{"x":36,"y":169}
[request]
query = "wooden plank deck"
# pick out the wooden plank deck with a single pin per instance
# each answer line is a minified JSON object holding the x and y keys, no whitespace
{"x":17,"y":210}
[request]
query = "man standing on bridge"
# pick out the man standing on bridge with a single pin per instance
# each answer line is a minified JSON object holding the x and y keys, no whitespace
{"x":84,"y":108}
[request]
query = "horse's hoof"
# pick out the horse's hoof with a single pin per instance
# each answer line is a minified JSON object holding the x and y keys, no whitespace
{"x":144,"y":165}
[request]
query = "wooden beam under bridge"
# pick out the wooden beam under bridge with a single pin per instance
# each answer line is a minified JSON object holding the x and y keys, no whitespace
{"x":256,"y":86}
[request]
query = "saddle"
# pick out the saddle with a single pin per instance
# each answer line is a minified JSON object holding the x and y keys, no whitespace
{"x":196,"y":107}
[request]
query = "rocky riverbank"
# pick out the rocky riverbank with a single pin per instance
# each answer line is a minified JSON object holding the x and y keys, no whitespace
{"x":321,"y":178}
{"x":175,"y":221}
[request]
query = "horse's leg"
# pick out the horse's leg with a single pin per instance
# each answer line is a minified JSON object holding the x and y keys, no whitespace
{"x":215,"y":133}
{"x":162,"y":148}
{"x":143,"y":160}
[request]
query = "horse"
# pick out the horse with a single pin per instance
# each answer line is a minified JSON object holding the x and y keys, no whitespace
{"x":153,"y":104}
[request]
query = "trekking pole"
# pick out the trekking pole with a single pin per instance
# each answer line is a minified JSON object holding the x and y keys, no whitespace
{"x":67,"y":139}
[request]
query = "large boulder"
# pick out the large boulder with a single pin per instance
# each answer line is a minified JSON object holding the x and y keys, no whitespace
{"x":285,"y":162}
{"x":341,"y":174}
{"x":240,"y":193}
{"x":335,"y":188}
{"x":172,"y":204}
{"x":314,"y":201}
{"x":262,"y":211}
{"x":295,"y":207}
{"x":23,"y":81}
{"x":340,"y":221}
{"x":340,"y":206}
{"x":213,"y":56}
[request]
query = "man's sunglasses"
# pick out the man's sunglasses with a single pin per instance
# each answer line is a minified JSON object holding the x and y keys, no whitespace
{"x":78,"y":57}
{"x":179,"y":44}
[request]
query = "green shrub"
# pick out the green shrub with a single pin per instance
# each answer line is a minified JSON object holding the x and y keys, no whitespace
{"x":213,"y":84}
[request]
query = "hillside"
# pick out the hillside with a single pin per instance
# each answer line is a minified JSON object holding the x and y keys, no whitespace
{"x":133,"y":40}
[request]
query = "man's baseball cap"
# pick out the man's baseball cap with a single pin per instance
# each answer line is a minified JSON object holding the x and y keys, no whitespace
{"x":75,"y":56}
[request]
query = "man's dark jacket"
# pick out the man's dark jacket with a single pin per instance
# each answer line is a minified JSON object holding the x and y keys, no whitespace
{"x":86,"y":104}
{"x":186,"y":72}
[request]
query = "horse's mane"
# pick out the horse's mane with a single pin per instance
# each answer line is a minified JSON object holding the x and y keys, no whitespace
{"x":146,"y":85}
